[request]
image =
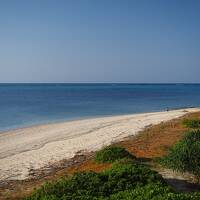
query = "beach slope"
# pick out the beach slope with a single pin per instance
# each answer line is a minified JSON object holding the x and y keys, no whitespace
{"x":27,"y":149}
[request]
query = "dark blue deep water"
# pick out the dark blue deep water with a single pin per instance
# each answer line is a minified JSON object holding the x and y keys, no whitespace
{"x":29,"y":104}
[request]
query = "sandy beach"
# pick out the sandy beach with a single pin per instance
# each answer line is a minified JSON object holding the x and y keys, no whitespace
{"x":32,"y":148}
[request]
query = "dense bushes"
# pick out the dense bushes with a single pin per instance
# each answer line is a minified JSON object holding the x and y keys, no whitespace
{"x":192,"y":123}
{"x":185,"y":155}
{"x":126,"y":180}
{"x":111,"y":154}
{"x":90,"y":185}
{"x":153,"y":192}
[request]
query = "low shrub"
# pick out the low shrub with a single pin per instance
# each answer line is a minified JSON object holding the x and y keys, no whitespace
{"x":126,"y":180}
{"x":191,"y":123}
{"x":91,"y":185}
{"x":185,"y":155}
{"x":153,"y":192}
{"x":112,"y":153}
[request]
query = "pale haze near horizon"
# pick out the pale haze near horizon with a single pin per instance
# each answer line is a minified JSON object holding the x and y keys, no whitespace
{"x":100,"y":41}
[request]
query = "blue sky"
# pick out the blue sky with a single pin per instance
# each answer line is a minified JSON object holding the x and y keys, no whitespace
{"x":100,"y":41}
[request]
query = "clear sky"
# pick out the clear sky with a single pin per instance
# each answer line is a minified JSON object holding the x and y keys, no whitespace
{"x":100,"y":41}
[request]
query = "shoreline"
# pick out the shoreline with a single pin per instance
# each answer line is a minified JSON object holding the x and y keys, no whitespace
{"x":28,"y":149}
{"x":32,"y":125}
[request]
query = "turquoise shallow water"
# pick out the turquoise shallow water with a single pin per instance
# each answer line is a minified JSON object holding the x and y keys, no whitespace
{"x":30,"y":104}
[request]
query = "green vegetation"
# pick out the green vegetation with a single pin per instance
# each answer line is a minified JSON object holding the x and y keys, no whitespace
{"x":153,"y":192}
{"x":126,"y":180}
{"x":185,"y":155}
{"x":191,"y":123}
{"x":90,"y":185}
{"x":111,"y":154}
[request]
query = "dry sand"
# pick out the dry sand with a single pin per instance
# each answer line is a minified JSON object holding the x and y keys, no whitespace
{"x":32,"y":148}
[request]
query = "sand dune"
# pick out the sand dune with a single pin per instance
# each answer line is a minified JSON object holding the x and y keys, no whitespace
{"x":31,"y":148}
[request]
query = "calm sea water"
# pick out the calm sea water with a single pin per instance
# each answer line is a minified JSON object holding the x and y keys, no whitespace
{"x":29,"y":104}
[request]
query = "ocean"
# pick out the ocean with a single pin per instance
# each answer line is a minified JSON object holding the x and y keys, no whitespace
{"x":23,"y":105}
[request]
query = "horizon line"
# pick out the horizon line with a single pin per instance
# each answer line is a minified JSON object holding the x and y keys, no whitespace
{"x":136,"y":83}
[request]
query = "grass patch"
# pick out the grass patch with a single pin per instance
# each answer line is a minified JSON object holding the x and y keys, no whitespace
{"x":185,"y":155}
{"x":191,"y":123}
{"x":112,"y":153}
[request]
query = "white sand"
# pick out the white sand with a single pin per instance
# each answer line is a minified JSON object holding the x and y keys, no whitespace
{"x":35,"y":147}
